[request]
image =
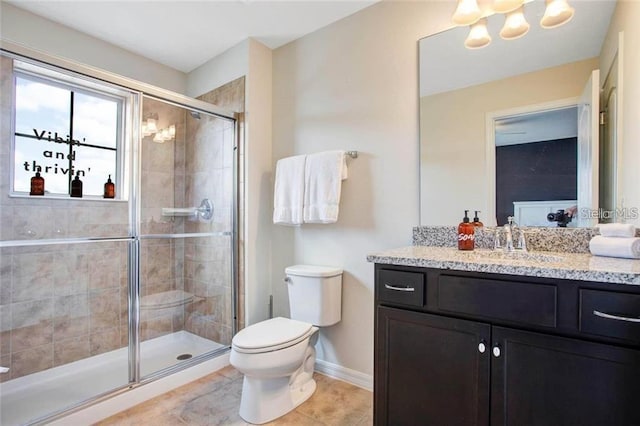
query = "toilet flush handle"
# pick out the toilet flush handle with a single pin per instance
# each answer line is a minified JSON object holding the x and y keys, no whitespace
{"x":287,"y":280}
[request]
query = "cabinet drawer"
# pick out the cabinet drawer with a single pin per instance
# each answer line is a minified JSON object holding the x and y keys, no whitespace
{"x":406,"y":288}
{"x":513,"y":301}
{"x":610,"y":314}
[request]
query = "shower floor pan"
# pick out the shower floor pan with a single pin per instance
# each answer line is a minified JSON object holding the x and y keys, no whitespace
{"x":38,"y":394}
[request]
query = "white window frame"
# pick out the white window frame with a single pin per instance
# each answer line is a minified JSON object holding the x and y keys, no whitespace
{"x":77,"y":83}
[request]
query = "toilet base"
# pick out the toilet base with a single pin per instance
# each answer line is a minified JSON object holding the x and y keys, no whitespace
{"x":264,"y":400}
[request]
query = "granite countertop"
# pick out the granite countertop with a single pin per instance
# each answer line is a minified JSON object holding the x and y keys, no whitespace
{"x":571,"y":266}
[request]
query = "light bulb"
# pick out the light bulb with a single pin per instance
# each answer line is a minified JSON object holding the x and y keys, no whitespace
{"x":506,"y":6}
{"x":558,"y":12}
{"x":515,"y":25}
{"x":478,"y":35}
{"x":145,"y":130}
{"x":158,"y":138}
{"x":151,"y":126}
{"x":172,"y":131}
{"x":467,"y":12}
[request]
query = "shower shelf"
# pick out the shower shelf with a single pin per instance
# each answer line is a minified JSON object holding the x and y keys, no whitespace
{"x":167,"y":299}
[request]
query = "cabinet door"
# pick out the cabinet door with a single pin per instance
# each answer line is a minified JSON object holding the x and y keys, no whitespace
{"x":430,"y":370}
{"x":548,"y":380}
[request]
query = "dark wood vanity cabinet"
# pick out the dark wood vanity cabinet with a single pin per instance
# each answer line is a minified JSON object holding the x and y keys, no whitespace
{"x":409,"y":390}
{"x":459,"y":348}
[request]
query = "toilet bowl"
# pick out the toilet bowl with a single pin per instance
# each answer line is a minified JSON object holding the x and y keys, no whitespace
{"x":277,"y":356}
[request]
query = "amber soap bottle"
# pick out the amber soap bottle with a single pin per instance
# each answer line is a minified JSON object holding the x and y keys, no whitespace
{"x":37,"y":185}
{"x":476,"y":221}
{"x":466,"y":232}
{"x":76,"y":186}
{"x":109,"y":189}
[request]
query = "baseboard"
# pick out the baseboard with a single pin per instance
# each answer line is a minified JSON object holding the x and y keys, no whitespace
{"x":348,"y":375}
{"x":130,"y":398}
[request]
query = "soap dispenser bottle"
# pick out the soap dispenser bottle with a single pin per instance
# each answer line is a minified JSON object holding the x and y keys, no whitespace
{"x":476,"y":221}
{"x":466,"y":233}
{"x":76,"y":186}
{"x":37,"y":184}
{"x":109,"y":189}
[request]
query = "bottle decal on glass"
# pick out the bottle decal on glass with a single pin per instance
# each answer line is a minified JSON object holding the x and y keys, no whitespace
{"x":37,"y":184}
{"x":109,"y":189}
{"x":76,"y":186}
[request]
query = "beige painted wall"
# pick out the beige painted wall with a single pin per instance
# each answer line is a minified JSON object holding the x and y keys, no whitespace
{"x":354,"y":85}
{"x":35,"y":32}
{"x":626,"y":18}
{"x":258,"y":204}
{"x":229,"y":65}
{"x":453,"y":147}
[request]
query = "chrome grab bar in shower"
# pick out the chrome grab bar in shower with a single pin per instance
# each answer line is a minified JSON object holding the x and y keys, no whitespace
{"x":204,"y":211}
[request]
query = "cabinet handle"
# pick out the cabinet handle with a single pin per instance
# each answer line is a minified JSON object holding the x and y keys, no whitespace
{"x":615,"y":317}
{"x":482,"y":347}
{"x":391,"y":287}
{"x":496,"y":351}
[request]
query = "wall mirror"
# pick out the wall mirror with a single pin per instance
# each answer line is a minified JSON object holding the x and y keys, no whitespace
{"x":513,"y":128}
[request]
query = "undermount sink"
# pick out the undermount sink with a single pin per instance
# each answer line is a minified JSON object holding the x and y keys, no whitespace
{"x":515,"y":255}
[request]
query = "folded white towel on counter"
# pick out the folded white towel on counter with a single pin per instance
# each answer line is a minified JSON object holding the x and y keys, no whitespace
{"x":288,"y":194}
{"x":628,"y":248}
{"x":324,"y":173}
{"x":617,"y":230}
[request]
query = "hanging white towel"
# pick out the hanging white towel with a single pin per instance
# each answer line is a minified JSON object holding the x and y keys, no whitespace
{"x":617,"y":230}
{"x":288,"y":194}
{"x":615,"y":247}
{"x":324,"y":173}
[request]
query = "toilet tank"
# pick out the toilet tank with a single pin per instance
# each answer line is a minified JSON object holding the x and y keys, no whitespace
{"x":315,"y":294}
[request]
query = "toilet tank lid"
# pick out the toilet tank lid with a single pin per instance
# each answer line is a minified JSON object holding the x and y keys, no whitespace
{"x":313,"y":271}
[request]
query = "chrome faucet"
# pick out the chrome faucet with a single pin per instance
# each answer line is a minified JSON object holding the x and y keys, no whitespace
{"x":511,"y":230}
{"x":508,"y":230}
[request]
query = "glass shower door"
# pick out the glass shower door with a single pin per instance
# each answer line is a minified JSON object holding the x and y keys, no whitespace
{"x":186,"y":258}
{"x":64,"y":261}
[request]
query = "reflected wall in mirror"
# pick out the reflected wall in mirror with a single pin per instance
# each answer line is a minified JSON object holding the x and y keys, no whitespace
{"x":510,"y":92}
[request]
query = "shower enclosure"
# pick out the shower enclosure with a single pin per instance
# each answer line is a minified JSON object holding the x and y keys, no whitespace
{"x":98,"y":295}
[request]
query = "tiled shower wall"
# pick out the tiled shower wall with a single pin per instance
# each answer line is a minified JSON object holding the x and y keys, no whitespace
{"x":206,"y":265}
{"x":162,"y":186}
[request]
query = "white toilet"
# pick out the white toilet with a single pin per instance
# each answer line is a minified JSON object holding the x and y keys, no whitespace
{"x":277,"y":356}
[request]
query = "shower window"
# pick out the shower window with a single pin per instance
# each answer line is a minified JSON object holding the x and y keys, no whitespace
{"x":66,"y":127}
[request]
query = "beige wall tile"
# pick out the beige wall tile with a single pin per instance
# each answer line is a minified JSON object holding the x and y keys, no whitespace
{"x":31,"y":360}
{"x":69,"y":350}
{"x":104,"y":341}
{"x":32,"y":336}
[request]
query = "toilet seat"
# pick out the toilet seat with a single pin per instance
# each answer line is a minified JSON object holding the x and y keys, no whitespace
{"x":271,"y":335}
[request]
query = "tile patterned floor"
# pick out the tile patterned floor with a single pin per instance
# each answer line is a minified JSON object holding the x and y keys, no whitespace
{"x":215,"y":399}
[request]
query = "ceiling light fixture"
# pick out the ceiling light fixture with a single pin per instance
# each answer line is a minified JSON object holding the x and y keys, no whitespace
{"x":515,"y":25}
{"x":468,"y":12}
{"x":557,"y":12}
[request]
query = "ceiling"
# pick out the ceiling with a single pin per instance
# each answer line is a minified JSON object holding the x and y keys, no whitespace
{"x":537,"y":127}
{"x":185,"y":34}
{"x":445,"y":62}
